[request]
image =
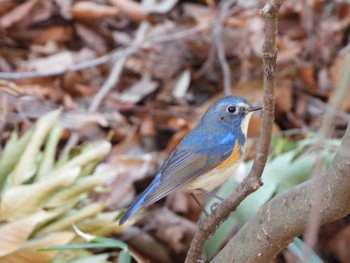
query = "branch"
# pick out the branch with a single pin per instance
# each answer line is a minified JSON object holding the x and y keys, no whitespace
{"x":286,"y":215}
{"x":253,"y":181}
{"x":220,"y":47}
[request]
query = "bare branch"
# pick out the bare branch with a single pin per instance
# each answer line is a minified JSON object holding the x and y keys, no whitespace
{"x":286,"y":215}
{"x":252,"y":182}
{"x":220,"y":47}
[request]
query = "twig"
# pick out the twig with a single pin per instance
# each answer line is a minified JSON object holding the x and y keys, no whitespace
{"x":220,"y":48}
{"x":114,"y":75}
{"x":54,"y":72}
{"x":111,"y":81}
{"x":252,"y":182}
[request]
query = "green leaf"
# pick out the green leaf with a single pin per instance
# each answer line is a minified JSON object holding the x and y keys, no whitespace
{"x":97,"y":242}
{"x":47,"y":163}
{"x":13,"y":149}
{"x":73,"y":217}
{"x":95,"y":152}
{"x":124,"y":256}
{"x":75,"y":190}
{"x":298,"y":248}
{"x":24,"y":200}
{"x":27,"y":164}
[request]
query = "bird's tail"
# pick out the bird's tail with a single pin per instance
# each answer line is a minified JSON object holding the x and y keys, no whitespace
{"x":139,"y":200}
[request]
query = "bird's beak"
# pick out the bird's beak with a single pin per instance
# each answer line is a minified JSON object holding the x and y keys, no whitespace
{"x":254,"y":108}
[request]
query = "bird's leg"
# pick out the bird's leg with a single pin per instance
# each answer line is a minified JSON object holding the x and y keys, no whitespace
{"x":210,"y":194}
{"x":215,"y":204}
{"x":200,"y":205}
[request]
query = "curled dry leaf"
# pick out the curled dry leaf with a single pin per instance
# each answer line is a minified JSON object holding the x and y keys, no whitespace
{"x":156,"y":6}
{"x":58,"y":34}
{"x":131,"y":8}
{"x":58,"y":61}
{"x":28,"y":251}
{"x":17,"y":14}
{"x":139,"y":90}
{"x":91,"y":38}
{"x":89,"y":10}
{"x":15,"y":233}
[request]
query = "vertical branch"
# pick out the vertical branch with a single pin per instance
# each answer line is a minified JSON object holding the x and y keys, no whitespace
{"x":252,"y":182}
{"x":220,"y":47}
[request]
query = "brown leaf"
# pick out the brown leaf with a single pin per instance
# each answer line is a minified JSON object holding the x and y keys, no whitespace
{"x":17,"y":14}
{"x":92,"y":39}
{"x":59,"y":34}
{"x":58,"y":61}
{"x":28,"y":252}
{"x":131,"y":8}
{"x":89,"y":10}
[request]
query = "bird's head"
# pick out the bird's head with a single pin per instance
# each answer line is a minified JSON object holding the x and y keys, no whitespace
{"x":233,"y":112}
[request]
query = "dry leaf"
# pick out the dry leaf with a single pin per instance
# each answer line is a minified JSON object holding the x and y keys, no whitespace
{"x":15,"y":233}
{"x":17,"y":14}
{"x":89,"y":10}
{"x":24,"y":200}
{"x":28,"y":251}
{"x":131,"y":8}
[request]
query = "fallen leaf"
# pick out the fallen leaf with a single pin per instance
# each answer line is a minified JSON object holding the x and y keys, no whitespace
{"x":139,"y":90}
{"x":131,"y":8}
{"x":15,"y":233}
{"x":28,"y":251}
{"x":89,"y":10}
{"x":17,"y":14}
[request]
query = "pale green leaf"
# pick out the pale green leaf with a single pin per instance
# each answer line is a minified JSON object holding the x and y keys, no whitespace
{"x":13,"y":149}
{"x":23,"y":200}
{"x":47,"y":163}
{"x":71,"y":218}
{"x":27,"y":165}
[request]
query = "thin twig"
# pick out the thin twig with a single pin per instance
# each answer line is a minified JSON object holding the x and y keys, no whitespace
{"x":220,"y":48}
{"x":116,"y":71}
{"x":252,"y":182}
{"x":111,"y":81}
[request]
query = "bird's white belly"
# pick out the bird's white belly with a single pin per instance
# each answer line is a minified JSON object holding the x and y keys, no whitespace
{"x":212,"y":179}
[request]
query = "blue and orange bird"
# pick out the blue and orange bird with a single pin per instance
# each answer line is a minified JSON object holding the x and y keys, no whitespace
{"x":207,"y":155}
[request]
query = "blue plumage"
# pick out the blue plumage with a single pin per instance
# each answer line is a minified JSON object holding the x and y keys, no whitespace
{"x":211,"y":143}
{"x":139,"y":200}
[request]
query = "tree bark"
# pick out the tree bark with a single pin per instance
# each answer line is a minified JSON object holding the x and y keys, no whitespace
{"x":286,"y":215}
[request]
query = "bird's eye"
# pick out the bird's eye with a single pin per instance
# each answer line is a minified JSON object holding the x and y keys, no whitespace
{"x":231,"y":109}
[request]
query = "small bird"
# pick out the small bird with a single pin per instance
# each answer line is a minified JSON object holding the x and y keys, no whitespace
{"x":206,"y":156}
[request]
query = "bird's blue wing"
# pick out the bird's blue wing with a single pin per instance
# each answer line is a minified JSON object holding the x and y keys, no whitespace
{"x":195,"y":156}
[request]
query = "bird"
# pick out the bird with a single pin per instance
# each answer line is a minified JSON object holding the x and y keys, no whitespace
{"x":206,"y":157}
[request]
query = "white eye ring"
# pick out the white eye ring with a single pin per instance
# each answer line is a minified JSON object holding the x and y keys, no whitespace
{"x":231,"y":109}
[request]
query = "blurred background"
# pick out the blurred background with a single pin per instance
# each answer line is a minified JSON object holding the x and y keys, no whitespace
{"x":96,"y":94}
